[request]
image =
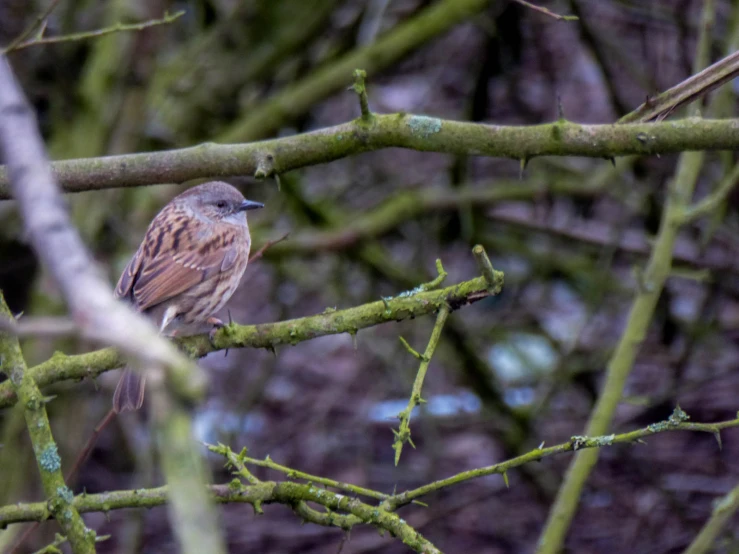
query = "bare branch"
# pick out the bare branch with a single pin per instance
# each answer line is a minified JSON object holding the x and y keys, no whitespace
{"x":545,"y":11}
{"x":22,"y":44}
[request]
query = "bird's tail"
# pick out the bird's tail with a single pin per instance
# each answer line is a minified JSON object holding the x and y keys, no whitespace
{"x":129,"y":394}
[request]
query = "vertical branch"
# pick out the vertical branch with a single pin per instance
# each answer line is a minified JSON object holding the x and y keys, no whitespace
{"x":650,"y":283}
{"x":403,"y":434}
{"x":722,"y":512}
{"x":60,"y":497}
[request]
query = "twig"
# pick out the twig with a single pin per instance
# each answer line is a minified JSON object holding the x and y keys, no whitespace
{"x":267,"y":245}
{"x":434,"y":20}
{"x":662,"y":105}
{"x":38,"y":23}
{"x":117,"y":28}
{"x":723,"y":509}
{"x":548,"y":12}
{"x":360,"y":89}
{"x":486,"y":268}
{"x":295,"y":474}
{"x":712,"y":201}
{"x":403,"y":434}
{"x":286,"y":492}
{"x":359,"y":512}
{"x":676,"y":422}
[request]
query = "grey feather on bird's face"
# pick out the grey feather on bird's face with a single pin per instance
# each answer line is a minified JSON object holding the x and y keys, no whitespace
{"x":219,"y":202}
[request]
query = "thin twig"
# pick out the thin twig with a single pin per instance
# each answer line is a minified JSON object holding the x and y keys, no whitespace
{"x":270,"y":243}
{"x":270,"y":491}
{"x":662,"y":105}
{"x":360,"y":89}
{"x":712,"y":201}
{"x":40,"y":21}
{"x":723,"y":509}
{"x":403,"y":434}
{"x":117,"y":28}
{"x":548,"y":12}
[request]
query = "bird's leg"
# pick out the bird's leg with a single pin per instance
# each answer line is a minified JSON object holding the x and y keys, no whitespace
{"x":217,"y":324}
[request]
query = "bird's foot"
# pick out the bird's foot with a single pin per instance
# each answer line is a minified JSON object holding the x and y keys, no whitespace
{"x":217,"y":324}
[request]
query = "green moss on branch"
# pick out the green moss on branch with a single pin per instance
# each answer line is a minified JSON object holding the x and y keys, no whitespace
{"x":59,"y":497}
{"x":61,"y":367}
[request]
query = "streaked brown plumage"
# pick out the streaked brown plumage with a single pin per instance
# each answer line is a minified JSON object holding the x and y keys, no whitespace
{"x":189,"y":264}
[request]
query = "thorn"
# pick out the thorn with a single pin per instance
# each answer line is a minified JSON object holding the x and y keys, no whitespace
{"x":522,"y":167}
{"x":505,"y":479}
{"x":560,"y":109}
{"x":717,"y":436}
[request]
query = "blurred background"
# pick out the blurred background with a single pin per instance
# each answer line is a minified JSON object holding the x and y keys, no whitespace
{"x":511,"y":371}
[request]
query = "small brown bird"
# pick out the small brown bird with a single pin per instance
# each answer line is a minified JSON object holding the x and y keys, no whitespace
{"x":189,"y":264}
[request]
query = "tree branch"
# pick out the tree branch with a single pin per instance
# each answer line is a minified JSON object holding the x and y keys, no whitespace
{"x":287,"y":493}
{"x":61,"y":367}
{"x":403,"y":434}
{"x":723,"y":509}
{"x":22,"y":44}
{"x":621,"y":362}
{"x":713,"y":200}
{"x":59,"y":496}
{"x":415,"y":132}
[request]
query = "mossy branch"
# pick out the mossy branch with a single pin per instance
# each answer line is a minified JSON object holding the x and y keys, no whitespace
{"x":270,"y":335}
{"x":403,"y":434}
{"x":415,"y":132}
{"x":677,"y":422}
{"x":266,"y":492}
{"x":59,"y":496}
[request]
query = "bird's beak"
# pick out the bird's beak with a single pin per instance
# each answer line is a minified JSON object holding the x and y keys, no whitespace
{"x":250,"y":205}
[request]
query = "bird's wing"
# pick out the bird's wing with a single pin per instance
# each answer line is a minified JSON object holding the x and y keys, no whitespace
{"x":178,"y":252}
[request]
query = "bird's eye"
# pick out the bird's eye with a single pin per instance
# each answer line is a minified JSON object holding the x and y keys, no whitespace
{"x":221,"y":204}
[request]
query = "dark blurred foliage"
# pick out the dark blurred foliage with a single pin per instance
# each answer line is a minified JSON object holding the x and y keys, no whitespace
{"x":510,"y":372}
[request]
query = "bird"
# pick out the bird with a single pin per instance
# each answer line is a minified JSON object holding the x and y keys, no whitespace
{"x":187,"y":267}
